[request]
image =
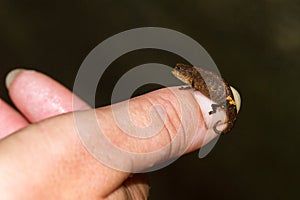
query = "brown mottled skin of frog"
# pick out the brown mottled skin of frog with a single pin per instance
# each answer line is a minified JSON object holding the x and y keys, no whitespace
{"x":213,"y":87}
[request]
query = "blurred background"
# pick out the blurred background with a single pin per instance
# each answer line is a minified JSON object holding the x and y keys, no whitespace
{"x":255,"y":44}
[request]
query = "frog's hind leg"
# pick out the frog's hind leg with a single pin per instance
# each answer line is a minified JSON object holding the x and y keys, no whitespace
{"x":216,"y":106}
{"x":215,"y":128}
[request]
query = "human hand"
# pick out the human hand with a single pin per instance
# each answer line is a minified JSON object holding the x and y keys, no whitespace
{"x":47,"y":159}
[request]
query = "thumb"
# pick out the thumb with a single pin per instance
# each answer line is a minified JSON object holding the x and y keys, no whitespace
{"x":148,"y":132}
{"x":91,"y":153}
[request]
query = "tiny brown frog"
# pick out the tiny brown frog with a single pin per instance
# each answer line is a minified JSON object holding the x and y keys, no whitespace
{"x":213,"y":87}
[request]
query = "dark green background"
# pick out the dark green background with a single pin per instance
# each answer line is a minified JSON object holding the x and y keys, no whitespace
{"x":255,"y":45}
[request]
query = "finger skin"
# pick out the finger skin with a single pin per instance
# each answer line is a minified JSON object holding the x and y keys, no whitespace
{"x":39,"y":97}
{"x":10,"y":119}
{"x":65,"y":165}
{"x":134,"y":187}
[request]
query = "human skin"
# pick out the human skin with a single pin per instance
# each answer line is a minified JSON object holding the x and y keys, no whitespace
{"x":42,"y":156}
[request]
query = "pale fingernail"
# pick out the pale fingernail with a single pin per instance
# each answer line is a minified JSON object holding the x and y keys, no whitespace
{"x":11,"y":76}
{"x":218,"y":118}
{"x":205,"y":105}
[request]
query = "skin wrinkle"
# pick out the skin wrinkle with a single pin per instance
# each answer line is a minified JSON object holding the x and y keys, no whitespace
{"x":149,"y":101}
{"x":121,"y":141}
{"x":166,"y":136}
{"x":171,"y":126}
{"x":167,"y":128}
{"x":119,"y":192}
{"x":133,"y":188}
{"x":170,"y":110}
{"x":167,"y":119}
{"x":138,"y":187}
{"x":127,"y":193}
{"x":164,"y":128}
{"x":165,"y":99}
{"x":184,"y":140}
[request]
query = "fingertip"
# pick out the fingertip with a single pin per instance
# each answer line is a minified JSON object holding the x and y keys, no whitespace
{"x":11,"y":76}
{"x":11,"y":120}
{"x":38,"y":96}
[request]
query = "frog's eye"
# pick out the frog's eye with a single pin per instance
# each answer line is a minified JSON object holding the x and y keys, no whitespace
{"x":179,"y":67}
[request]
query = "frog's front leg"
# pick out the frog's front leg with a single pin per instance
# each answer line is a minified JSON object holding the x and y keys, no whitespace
{"x":185,"y":87}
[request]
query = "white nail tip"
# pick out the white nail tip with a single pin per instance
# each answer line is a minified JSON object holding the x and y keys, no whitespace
{"x":11,"y":76}
{"x":237,"y":98}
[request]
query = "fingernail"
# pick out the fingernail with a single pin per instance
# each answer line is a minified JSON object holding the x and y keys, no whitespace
{"x":11,"y":76}
{"x":205,"y":105}
{"x":220,"y":116}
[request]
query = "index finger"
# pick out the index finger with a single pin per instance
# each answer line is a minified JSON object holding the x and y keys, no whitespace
{"x":10,"y":119}
{"x":38,"y":96}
